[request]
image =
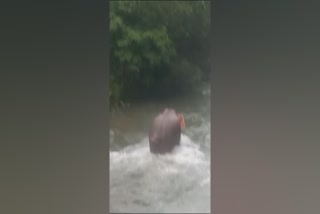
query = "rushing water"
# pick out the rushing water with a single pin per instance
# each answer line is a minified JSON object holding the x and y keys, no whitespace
{"x":177,"y":182}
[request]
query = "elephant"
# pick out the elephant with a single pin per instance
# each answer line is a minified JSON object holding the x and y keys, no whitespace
{"x":165,"y":131}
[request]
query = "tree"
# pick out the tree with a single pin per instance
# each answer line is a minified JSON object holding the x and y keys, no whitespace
{"x":156,"y":46}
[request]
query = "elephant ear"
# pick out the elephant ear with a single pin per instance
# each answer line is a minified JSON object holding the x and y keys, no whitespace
{"x":182,"y":122}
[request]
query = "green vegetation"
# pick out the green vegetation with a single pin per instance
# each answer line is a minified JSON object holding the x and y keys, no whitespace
{"x":157,"y":47}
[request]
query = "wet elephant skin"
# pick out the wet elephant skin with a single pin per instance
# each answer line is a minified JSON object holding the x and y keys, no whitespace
{"x":165,"y":132}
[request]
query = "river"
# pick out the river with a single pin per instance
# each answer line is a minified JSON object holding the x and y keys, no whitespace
{"x":141,"y":182}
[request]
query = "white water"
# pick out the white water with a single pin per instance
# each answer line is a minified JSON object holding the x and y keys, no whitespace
{"x":143,"y":182}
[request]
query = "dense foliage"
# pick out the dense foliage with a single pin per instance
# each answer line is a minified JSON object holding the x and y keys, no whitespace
{"x":157,"y":47}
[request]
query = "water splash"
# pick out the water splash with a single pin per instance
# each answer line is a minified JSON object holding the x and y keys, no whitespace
{"x":144,"y":182}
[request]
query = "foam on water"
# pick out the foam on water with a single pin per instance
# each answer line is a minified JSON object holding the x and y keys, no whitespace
{"x":144,"y":182}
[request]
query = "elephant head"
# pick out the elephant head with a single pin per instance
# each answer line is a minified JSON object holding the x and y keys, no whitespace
{"x":165,"y":131}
